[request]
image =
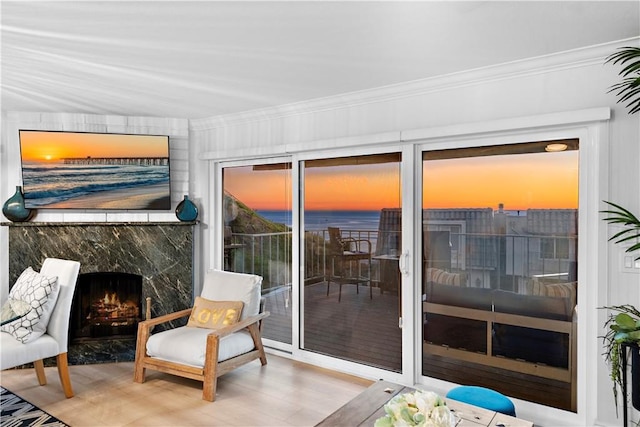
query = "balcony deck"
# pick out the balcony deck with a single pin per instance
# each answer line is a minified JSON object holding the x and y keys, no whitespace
{"x":366,"y":331}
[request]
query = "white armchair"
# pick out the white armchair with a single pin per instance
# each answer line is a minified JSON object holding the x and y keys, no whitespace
{"x":205,"y":354}
{"x":54,"y":341}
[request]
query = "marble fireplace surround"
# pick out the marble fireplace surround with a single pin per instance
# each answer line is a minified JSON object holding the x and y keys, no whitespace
{"x":161,"y":252}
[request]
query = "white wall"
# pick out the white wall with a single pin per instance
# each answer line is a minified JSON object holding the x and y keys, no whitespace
{"x":566,"y":82}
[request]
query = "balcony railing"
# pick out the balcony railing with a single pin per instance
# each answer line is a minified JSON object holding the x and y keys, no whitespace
{"x":499,"y":261}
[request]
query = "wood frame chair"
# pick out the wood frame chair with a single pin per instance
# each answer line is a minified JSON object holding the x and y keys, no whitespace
{"x":210,"y":340}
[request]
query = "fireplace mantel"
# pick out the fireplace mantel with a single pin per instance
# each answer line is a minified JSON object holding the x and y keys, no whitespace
{"x":160,"y":252}
{"x":105,"y":224}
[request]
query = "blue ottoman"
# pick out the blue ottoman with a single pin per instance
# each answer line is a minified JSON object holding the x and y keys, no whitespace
{"x":484,"y":398}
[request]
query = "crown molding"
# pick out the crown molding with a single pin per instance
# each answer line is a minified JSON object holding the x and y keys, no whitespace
{"x":577,"y":58}
{"x":556,"y":119}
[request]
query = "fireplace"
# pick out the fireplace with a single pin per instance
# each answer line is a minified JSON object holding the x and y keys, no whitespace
{"x":106,"y":305}
{"x":158,"y":254}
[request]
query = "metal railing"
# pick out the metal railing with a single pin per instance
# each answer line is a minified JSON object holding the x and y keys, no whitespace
{"x":491,"y":260}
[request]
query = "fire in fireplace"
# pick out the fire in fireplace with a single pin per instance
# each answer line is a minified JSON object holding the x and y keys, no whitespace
{"x":106,"y":305}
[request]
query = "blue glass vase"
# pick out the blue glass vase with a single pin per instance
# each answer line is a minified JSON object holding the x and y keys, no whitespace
{"x":186,"y":210}
{"x":14,"y":208}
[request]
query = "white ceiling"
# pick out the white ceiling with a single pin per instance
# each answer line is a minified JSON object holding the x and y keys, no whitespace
{"x":208,"y":58}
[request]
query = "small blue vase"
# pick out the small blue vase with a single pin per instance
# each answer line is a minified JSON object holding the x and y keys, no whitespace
{"x":14,"y":208}
{"x":186,"y":210}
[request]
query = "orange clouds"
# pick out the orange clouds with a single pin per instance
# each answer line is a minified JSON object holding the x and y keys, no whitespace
{"x":43,"y":146}
{"x":520,"y":182}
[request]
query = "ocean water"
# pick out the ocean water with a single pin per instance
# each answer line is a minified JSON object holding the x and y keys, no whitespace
{"x":358,"y":221}
{"x":47,"y":183}
{"x":320,"y":220}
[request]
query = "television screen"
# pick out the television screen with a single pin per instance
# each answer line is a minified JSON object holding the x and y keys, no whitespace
{"x":82,"y":170}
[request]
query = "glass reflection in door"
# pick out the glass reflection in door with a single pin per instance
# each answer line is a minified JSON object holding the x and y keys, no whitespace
{"x":257,"y":236}
{"x":500,"y":286}
{"x":351,"y":226}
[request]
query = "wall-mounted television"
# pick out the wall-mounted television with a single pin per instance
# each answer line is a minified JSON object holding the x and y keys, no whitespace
{"x":84,"y":170}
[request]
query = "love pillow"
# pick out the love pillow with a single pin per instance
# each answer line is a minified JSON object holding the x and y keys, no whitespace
{"x":214,"y":314}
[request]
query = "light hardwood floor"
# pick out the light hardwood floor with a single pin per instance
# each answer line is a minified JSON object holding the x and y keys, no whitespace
{"x":282,"y":393}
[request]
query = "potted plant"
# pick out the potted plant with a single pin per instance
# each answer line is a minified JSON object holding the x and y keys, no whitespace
{"x":623,"y":330}
{"x":623,"y":322}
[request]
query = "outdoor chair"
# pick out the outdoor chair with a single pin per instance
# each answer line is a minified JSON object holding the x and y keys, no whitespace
{"x":343,"y":253}
{"x":43,"y":331}
{"x":217,"y":338}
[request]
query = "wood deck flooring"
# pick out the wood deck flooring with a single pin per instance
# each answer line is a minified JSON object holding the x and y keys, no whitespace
{"x":358,"y":328}
{"x":366,"y":331}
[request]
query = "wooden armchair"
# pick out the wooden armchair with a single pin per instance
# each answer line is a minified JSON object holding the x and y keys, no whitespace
{"x":342,"y":252}
{"x":205,"y":354}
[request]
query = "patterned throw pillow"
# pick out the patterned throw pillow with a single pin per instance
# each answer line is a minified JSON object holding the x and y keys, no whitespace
{"x":556,"y":290}
{"x":214,"y":314}
{"x":41,"y":293}
{"x":437,"y":275}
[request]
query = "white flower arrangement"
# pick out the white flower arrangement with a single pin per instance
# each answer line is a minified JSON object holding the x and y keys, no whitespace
{"x":419,"y":408}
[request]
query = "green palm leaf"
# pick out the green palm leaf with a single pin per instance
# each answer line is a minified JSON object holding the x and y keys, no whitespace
{"x":620,"y":215}
{"x":628,"y":90}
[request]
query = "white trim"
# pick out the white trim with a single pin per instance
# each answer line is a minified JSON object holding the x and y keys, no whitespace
{"x":564,"y":119}
{"x":577,"y":58}
{"x":498,"y":127}
{"x":297,"y":257}
{"x":595,"y":176}
{"x":302,"y":147}
{"x":408,"y":286}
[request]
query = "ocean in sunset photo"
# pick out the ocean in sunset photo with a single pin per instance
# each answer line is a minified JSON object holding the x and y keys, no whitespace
{"x":95,"y":186}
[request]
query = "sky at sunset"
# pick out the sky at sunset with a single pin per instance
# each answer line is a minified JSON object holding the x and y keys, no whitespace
{"x":52,"y":146}
{"x":260,"y":190}
{"x":520,"y":182}
{"x":537,"y":180}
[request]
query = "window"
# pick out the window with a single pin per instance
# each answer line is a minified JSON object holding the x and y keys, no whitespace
{"x":554,"y":248}
{"x":499,"y":268}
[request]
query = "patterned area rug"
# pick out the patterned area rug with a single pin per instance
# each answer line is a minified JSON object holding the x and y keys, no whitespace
{"x":17,"y":412}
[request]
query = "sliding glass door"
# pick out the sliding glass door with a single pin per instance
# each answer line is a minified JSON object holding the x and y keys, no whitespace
{"x":499,"y":254}
{"x":257,"y":236}
{"x":351,"y":246}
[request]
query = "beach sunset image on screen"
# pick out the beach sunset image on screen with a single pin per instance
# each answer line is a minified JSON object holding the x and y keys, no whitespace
{"x":79,"y":170}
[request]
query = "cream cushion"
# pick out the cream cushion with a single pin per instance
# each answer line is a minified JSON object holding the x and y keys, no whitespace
{"x":442,"y":277}
{"x":235,"y":287}
{"x":554,"y":289}
{"x":188,"y":345}
{"x":15,"y":353}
